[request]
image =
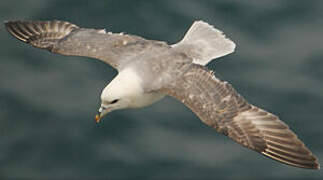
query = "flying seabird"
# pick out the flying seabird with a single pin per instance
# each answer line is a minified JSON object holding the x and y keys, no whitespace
{"x":148,"y":70}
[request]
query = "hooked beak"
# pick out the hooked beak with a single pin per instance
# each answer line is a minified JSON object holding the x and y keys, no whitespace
{"x":102,"y":111}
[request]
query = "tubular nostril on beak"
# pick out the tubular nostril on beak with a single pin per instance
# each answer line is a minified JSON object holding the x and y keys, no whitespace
{"x":101,"y":110}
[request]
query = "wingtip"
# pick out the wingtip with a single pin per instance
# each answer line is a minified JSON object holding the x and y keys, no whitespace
{"x":5,"y":22}
{"x":317,"y":165}
{"x":41,"y":34}
{"x":13,"y":28}
{"x":10,"y":22}
{"x":305,"y":160}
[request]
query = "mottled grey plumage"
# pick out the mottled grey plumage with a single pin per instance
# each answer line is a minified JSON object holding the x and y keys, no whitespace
{"x":65,"y":38}
{"x":176,"y":70}
{"x":218,"y":105}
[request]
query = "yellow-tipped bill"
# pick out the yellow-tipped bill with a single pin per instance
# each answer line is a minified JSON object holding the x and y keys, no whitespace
{"x":102,"y":112}
{"x":97,"y":118}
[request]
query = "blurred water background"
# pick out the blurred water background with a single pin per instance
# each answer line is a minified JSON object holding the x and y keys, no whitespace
{"x":47,"y":102}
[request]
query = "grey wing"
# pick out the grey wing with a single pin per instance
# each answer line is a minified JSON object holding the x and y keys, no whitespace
{"x":218,"y":105}
{"x":68,"y":39}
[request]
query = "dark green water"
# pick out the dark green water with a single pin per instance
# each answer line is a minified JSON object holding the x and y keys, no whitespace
{"x":47,"y":102}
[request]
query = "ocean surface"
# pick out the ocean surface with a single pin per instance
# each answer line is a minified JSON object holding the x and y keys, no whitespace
{"x":47,"y":101}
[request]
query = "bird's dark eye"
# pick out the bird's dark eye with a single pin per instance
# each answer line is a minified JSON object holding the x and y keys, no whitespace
{"x":114,"y":101}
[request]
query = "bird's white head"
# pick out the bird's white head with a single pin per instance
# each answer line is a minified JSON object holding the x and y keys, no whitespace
{"x":124,"y":91}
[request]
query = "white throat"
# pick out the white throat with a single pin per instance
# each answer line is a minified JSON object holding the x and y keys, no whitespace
{"x":127,"y":86}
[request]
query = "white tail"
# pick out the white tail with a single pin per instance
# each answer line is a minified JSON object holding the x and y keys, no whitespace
{"x":203,"y":42}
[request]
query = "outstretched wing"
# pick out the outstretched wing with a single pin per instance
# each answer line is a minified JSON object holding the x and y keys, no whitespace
{"x":218,"y":105}
{"x":65,"y":38}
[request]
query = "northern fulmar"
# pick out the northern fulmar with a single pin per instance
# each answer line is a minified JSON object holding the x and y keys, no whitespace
{"x":148,"y":70}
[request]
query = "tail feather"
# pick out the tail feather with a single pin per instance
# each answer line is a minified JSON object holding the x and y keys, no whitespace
{"x":203,"y":43}
{"x":41,"y":34}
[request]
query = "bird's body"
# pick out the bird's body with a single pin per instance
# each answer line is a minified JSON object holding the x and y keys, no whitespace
{"x":149,"y":70}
